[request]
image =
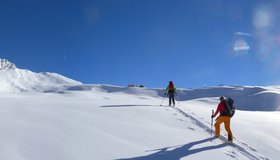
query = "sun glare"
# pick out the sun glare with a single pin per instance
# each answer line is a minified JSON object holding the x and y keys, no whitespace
{"x":262,"y":18}
{"x":241,"y":45}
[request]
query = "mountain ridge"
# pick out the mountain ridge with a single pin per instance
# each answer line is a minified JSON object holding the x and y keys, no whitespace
{"x":6,"y":64}
{"x":13,"y":79}
{"x":253,"y":98}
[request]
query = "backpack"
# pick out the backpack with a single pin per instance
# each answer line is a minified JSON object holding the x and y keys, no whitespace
{"x":171,"y":87}
{"x":229,"y":108}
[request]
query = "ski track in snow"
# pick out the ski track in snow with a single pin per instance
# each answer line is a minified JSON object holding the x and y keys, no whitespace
{"x":21,"y":81}
{"x":238,"y":145}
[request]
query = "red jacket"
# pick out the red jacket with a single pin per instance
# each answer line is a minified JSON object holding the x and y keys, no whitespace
{"x":220,"y":108}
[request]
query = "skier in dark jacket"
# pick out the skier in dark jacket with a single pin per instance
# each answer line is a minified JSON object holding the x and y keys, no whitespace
{"x":170,"y":90}
{"x":224,"y":117}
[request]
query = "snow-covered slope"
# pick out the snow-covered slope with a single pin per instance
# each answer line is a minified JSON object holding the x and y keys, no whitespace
{"x":248,"y":98}
{"x":71,"y":121}
{"x":14,"y":79}
{"x":253,"y":98}
{"x":99,"y":122}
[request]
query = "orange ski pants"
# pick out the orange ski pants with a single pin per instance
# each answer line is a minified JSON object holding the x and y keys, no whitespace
{"x":226,"y":121}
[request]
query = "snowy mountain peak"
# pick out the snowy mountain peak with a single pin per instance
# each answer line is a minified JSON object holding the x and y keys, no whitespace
{"x":5,"y":64}
{"x":13,"y":79}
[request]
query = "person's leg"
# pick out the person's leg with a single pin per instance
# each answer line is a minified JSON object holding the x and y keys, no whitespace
{"x":171,"y":96}
{"x":227,"y":127}
{"x":173,"y":99}
{"x":169,"y":100}
{"x":217,"y":125}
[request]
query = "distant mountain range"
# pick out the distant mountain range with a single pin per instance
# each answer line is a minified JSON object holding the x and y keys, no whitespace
{"x":253,"y":98}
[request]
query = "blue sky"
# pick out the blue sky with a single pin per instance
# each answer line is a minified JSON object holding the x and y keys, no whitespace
{"x":195,"y":43}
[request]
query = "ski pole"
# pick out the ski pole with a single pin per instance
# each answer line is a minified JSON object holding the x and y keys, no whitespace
{"x":178,"y":99}
{"x":211,"y":123}
{"x":162,"y":100}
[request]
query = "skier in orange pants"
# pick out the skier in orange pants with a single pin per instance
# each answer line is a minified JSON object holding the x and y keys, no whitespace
{"x":223,"y":118}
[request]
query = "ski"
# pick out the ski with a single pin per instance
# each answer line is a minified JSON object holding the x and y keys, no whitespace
{"x":224,"y":139}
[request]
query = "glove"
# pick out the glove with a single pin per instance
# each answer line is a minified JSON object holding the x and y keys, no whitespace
{"x":212,"y":116}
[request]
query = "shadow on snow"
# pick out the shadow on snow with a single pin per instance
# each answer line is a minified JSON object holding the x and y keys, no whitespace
{"x":179,"y":152}
{"x":129,"y":105}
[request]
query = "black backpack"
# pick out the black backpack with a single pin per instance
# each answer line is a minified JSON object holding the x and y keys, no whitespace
{"x":229,"y":108}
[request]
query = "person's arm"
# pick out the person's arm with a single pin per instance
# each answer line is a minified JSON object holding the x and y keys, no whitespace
{"x":166,"y":90}
{"x":217,"y":110}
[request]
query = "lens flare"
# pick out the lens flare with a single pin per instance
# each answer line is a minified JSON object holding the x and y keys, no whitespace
{"x":278,"y":39}
{"x":241,"y":45}
{"x":262,"y":18}
{"x":266,"y":31}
